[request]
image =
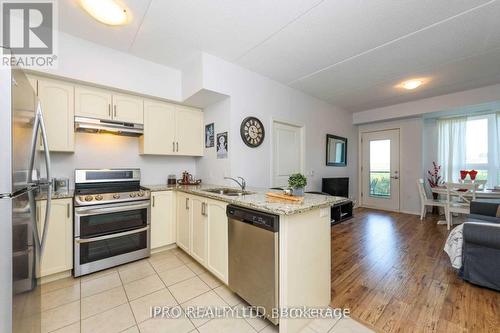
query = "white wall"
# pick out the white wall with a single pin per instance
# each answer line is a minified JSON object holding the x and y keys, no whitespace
{"x":112,"y":151}
{"x":429,"y":105}
{"x":255,"y":95}
{"x":411,"y":159}
{"x":82,"y":60}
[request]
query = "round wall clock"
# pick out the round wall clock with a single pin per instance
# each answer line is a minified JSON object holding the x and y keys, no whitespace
{"x":252,"y":132}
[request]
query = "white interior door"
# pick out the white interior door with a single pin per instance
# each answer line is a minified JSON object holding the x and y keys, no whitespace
{"x":287,"y":152}
{"x":380,"y":170}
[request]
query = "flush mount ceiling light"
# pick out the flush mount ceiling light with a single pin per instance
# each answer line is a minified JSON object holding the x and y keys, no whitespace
{"x":106,"y":11}
{"x":412,"y":84}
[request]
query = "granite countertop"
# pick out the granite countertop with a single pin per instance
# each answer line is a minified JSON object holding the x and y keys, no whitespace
{"x":257,"y":199}
{"x":56,"y":195}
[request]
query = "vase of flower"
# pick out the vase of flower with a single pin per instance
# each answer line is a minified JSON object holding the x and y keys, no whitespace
{"x":434,"y":180}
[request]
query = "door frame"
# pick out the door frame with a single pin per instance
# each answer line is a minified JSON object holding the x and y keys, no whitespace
{"x":302,"y":128}
{"x":360,"y":164}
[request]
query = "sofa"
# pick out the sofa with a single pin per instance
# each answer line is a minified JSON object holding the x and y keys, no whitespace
{"x":481,"y":244}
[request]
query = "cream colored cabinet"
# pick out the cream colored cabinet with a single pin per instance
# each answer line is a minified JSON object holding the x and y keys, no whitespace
{"x":189,"y":131}
{"x":162,"y":219}
{"x":159,"y":129}
{"x":128,"y":109}
{"x":57,"y":101}
{"x":217,"y":239}
{"x":58,"y":253}
{"x":93,"y":103}
{"x":198,"y":229}
{"x":183,"y":221}
{"x":171,"y":129}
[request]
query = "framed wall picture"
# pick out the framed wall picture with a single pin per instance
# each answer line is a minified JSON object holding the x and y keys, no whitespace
{"x":222,"y":145}
{"x":209,"y":135}
{"x":336,"y":150}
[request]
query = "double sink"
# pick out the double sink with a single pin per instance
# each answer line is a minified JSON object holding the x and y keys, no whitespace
{"x":230,"y":192}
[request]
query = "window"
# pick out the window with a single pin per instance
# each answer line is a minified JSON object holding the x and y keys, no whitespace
{"x":467,"y":143}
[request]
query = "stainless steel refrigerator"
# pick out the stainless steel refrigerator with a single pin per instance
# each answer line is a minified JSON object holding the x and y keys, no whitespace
{"x":21,"y":241}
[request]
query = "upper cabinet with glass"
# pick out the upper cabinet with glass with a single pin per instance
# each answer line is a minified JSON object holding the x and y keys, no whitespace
{"x":336,"y":150}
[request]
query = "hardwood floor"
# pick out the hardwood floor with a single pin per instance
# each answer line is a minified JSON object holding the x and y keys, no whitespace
{"x":391,"y":271}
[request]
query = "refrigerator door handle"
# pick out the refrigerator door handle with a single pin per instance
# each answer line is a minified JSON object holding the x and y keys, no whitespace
{"x":39,"y":124}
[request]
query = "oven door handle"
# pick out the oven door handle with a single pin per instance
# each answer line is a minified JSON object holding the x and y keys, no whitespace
{"x":97,"y":211}
{"x":121,"y":234}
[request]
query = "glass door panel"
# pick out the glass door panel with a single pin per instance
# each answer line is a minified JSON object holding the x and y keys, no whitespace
{"x":380,"y":168}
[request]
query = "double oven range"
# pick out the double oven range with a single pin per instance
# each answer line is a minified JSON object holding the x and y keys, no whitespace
{"x":112,"y":219}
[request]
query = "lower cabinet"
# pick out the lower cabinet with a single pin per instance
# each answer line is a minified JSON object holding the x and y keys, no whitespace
{"x":202,"y":232}
{"x":163,"y":226}
{"x":217,"y":241}
{"x":183,"y":221}
{"x":58,"y":253}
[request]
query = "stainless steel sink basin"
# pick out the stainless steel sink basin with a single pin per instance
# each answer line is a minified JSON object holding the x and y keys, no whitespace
{"x":232,"y":192}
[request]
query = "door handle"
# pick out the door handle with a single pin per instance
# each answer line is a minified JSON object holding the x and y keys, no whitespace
{"x":394,"y":177}
{"x":121,"y":234}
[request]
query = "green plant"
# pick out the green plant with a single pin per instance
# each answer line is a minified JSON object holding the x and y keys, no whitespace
{"x":297,"y":180}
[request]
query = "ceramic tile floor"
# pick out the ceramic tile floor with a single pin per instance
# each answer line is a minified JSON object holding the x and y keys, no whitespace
{"x":119,"y":300}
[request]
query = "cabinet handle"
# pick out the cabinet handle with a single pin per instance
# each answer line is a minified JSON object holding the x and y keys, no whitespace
{"x":153,"y":200}
{"x":177,"y":146}
{"x":204,"y":208}
{"x":173,"y":146}
{"x":67,"y":210}
{"x":114,"y":109}
{"x":109,"y":109}
{"x":187,"y":203}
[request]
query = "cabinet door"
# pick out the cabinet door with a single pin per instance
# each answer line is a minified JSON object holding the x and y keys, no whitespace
{"x":189,"y":131}
{"x":159,"y":129}
{"x":217,"y":239}
{"x":183,"y":221}
{"x":92,"y":102}
{"x":128,"y":108}
{"x":57,"y":100}
{"x":162,"y":219}
{"x":57,"y":256}
{"x":199,"y":229}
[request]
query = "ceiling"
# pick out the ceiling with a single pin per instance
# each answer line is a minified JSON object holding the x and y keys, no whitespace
{"x":350,"y":53}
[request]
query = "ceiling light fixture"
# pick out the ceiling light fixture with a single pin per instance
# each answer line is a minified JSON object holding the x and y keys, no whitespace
{"x":412,"y":84}
{"x":106,"y":11}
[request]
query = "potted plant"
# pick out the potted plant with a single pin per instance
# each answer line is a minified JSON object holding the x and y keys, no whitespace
{"x":297,"y":182}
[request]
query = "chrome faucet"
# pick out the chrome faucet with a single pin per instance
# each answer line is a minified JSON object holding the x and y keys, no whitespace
{"x":242,"y":183}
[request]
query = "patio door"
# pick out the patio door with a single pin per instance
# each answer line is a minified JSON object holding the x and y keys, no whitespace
{"x":380,"y":170}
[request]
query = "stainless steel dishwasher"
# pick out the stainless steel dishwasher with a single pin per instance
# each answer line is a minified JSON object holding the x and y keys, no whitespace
{"x":254,"y":257}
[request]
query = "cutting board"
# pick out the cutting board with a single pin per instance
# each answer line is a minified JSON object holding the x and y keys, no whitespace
{"x":285,"y":197}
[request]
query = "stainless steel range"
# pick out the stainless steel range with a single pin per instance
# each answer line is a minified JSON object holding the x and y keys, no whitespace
{"x":112,"y":219}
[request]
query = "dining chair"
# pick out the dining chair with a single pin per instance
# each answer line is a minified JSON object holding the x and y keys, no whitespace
{"x":465,"y":193}
{"x":426,"y":201}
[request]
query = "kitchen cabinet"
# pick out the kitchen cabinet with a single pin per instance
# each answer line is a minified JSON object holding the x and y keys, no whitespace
{"x":58,"y":253}
{"x":171,"y":129}
{"x":159,"y":129}
{"x":106,"y":105}
{"x":199,"y":229}
{"x":183,"y":222}
{"x":189,"y":131}
{"x":163,"y":226}
{"x":93,"y":102}
{"x":57,"y":101}
{"x":128,"y":109}
{"x":217,"y":239}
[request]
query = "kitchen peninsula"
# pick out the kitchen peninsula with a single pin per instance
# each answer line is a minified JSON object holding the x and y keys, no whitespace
{"x":303,"y":245}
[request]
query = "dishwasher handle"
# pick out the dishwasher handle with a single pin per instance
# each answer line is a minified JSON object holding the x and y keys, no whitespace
{"x":258,"y":219}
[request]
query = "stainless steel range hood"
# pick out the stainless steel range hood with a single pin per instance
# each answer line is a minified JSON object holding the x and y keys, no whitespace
{"x":91,"y":125}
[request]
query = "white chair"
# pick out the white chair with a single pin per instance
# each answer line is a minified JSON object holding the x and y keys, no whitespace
{"x":465,"y":192}
{"x":426,"y":201}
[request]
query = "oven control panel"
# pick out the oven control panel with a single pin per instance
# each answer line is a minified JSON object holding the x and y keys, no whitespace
{"x":102,"y":198}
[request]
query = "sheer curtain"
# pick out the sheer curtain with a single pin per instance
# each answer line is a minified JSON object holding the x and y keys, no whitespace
{"x":451,"y":146}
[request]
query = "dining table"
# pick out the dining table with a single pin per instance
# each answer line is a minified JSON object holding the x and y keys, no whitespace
{"x":480,"y":194}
